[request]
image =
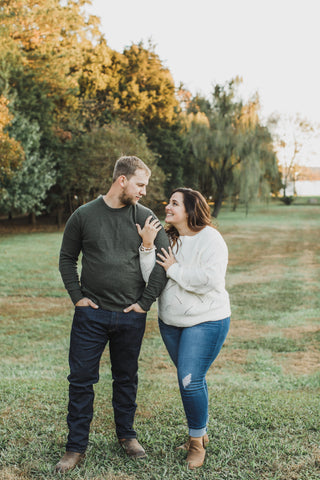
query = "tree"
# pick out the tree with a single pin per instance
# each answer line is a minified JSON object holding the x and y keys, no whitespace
{"x":258,"y":174}
{"x":198,"y":126}
{"x":146,"y":91}
{"x":42,"y":47}
{"x":11,"y":151}
{"x":216,"y":143}
{"x":292,"y":135}
{"x":89,"y":166}
{"x":147,"y":94}
{"x":169,"y":146}
{"x":43,"y":44}
{"x":50,"y":37}
{"x":136,"y":88}
{"x":26,"y":190}
{"x":229,"y":145}
{"x":98,"y":82}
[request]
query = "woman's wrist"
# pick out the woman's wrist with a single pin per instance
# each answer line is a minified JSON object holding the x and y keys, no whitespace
{"x":143,"y":248}
{"x":147,"y":245}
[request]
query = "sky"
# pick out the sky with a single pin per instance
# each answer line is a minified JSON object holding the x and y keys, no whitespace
{"x":272,"y":45}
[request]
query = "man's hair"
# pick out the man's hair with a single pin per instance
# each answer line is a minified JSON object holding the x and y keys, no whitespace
{"x":127,"y":166}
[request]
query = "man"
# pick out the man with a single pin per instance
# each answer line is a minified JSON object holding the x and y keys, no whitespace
{"x":111,"y":300}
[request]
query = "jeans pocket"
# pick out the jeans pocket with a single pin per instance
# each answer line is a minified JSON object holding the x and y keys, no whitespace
{"x":85,"y":314}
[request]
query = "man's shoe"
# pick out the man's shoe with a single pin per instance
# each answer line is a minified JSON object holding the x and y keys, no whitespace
{"x":132,"y":447}
{"x":69,"y":461}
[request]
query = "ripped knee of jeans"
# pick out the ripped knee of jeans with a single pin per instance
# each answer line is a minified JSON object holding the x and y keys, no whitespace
{"x":186,"y":380}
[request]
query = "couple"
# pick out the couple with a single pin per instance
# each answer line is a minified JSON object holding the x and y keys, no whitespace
{"x":121,"y":277}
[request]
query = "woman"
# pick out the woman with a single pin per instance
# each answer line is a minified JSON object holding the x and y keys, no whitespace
{"x":194,"y":309}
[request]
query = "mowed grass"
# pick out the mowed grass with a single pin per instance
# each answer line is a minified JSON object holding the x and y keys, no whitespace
{"x":264,"y":387}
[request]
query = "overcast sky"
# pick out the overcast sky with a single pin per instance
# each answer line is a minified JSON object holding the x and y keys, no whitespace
{"x":273,"y":45}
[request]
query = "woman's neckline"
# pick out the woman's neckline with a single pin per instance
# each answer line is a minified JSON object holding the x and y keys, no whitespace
{"x":194,"y":235}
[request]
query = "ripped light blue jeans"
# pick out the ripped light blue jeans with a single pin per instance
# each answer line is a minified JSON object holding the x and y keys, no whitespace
{"x":193,"y":350}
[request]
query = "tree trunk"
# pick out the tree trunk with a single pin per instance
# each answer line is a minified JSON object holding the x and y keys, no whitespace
{"x":32,"y":218}
{"x":217,"y":205}
{"x":235,"y":204}
{"x":220,"y":180}
{"x":218,"y":197}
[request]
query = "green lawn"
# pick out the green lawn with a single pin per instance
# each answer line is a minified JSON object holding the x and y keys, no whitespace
{"x":264,"y":387}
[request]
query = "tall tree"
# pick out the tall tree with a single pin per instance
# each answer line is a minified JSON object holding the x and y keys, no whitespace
{"x":136,"y":88}
{"x":227,"y":141}
{"x":147,"y":91}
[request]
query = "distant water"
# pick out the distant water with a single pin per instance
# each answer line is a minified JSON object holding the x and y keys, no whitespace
{"x":305,"y":188}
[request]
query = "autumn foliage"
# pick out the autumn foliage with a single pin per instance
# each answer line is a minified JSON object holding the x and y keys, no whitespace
{"x":86,"y":104}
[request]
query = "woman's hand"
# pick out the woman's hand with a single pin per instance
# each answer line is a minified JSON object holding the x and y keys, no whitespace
{"x":167,"y":258}
{"x":149,"y":232}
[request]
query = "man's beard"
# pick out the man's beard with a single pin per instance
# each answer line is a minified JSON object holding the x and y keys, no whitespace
{"x":126,"y":200}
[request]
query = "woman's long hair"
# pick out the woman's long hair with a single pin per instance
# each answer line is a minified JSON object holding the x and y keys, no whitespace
{"x":198,"y":212}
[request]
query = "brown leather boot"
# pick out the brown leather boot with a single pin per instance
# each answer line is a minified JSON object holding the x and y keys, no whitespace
{"x":69,"y":461}
{"x":196,"y":452}
{"x":132,"y":447}
{"x":186,"y":445}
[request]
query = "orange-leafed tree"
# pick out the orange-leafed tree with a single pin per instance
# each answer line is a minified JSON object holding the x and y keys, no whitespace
{"x":11,"y":152}
{"x":51,"y":38}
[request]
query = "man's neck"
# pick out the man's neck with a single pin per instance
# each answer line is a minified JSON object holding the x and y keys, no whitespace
{"x":112,"y":200}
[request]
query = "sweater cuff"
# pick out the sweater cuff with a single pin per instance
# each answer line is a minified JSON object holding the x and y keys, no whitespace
{"x":144,"y":250}
{"x":75,"y":296}
{"x":172,"y":271}
{"x":144,"y":305}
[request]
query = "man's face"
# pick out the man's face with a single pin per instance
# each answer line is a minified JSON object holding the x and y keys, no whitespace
{"x":134,"y":188}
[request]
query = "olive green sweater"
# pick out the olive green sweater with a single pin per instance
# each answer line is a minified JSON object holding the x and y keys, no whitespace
{"x":109,"y":242}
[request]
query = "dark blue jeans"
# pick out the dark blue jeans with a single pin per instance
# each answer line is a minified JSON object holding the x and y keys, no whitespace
{"x":91,"y":331}
{"x":193,"y":350}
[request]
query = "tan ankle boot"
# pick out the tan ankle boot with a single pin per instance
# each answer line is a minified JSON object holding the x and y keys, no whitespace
{"x":185,"y":446}
{"x":196,"y":452}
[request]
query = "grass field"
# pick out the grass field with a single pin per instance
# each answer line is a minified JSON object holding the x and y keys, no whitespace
{"x":264,"y":387}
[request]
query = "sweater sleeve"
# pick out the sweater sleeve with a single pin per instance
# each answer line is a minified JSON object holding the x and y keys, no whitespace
{"x":147,"y":262}
{"x":69,"y":254}
{"x":209,"y":272}
{"x":158,"y":278}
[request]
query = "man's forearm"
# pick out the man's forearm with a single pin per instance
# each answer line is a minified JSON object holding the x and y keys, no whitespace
{"x":70,"y":277}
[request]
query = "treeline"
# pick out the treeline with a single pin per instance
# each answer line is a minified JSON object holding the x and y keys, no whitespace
{"x":70,"y":106}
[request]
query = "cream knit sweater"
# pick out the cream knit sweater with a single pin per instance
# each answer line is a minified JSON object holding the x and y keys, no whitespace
{"x":195,"y":291}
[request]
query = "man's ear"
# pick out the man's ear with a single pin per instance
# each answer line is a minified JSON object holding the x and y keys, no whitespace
{"x":122,"y":180}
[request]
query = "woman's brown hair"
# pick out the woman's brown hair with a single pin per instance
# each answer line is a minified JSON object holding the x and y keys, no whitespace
{"x":198,"y":212}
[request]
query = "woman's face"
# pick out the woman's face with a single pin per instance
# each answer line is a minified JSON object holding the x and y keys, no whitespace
{"x":175,"y":211}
